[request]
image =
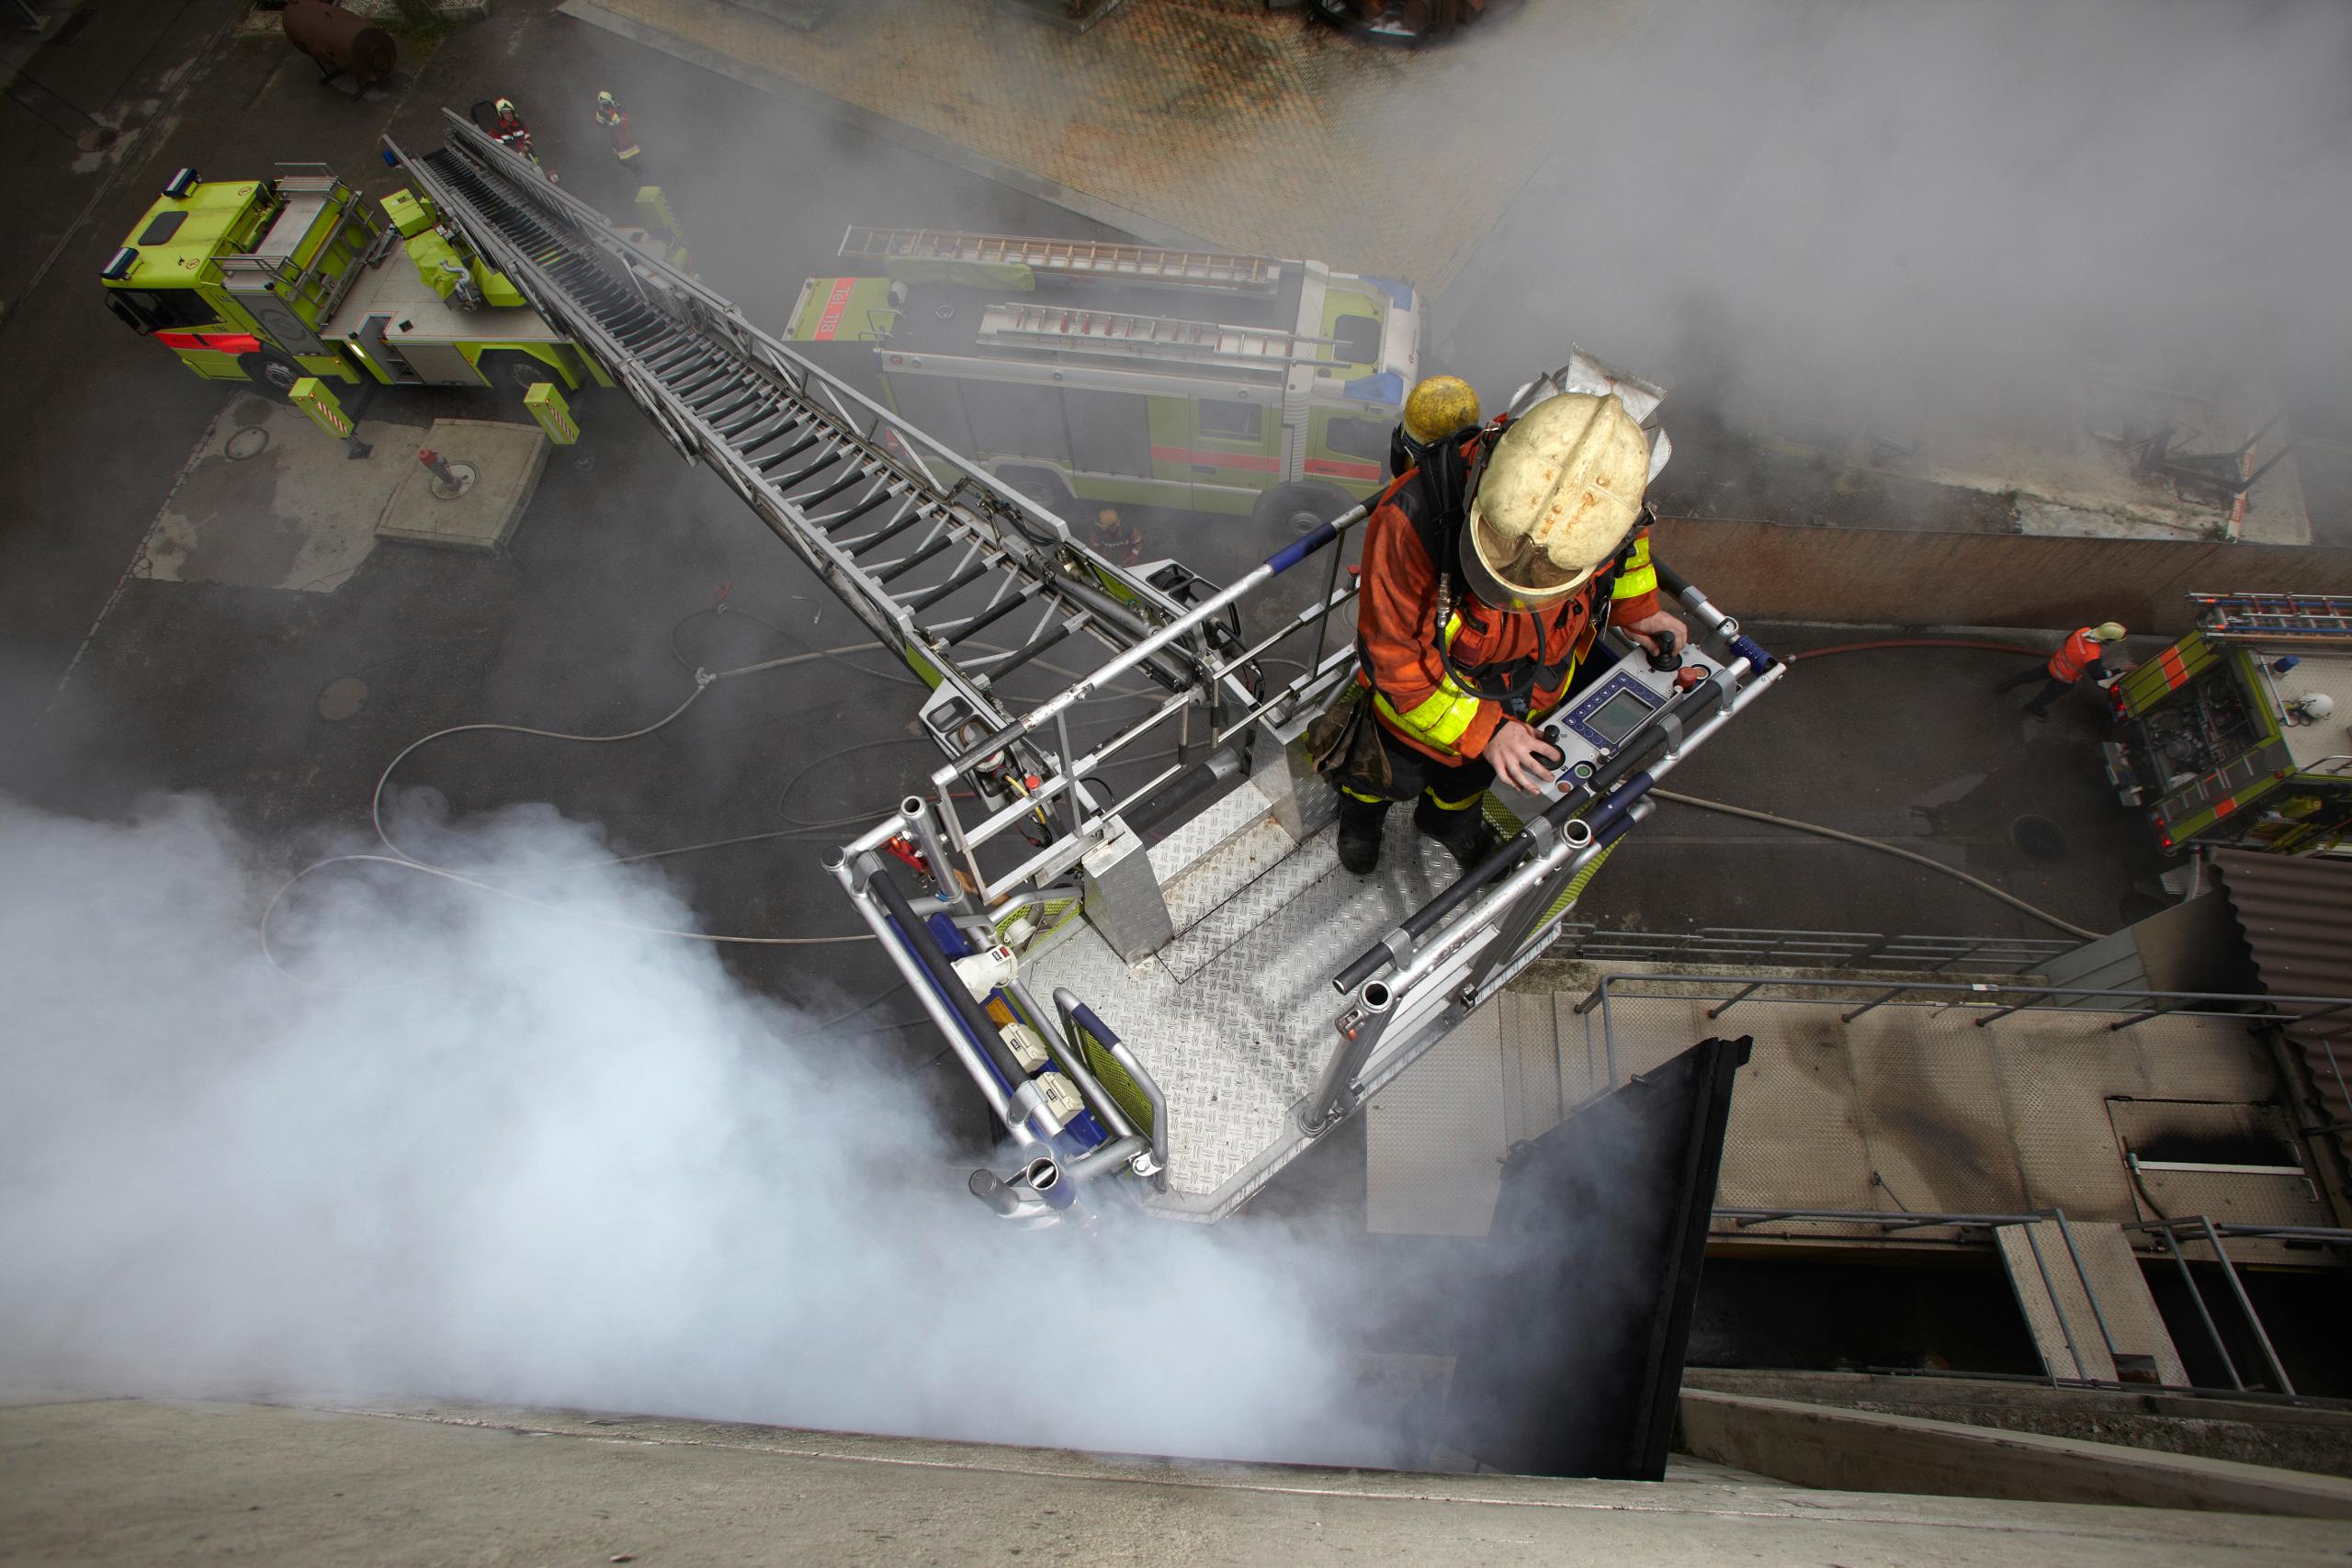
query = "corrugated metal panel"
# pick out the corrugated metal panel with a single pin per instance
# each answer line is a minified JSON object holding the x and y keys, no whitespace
{"x":2296,"y":912}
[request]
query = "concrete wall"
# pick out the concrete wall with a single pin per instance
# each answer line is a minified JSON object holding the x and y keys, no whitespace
{"x":1818,"y":1445}
{"x":1779,"y":571}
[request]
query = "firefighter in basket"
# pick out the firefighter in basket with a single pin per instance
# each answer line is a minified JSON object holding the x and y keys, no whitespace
{"x":1491,"y":567}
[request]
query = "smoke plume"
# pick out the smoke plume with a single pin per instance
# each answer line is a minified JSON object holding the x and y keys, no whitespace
{"x":1916,"y":214}
{"x":480,"y":1150}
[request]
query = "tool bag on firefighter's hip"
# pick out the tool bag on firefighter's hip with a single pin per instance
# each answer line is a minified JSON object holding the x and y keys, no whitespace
{"x":1344,"y":743}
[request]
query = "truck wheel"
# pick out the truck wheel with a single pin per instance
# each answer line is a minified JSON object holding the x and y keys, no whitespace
{"x":1039,"y":485}
{"x":513,"y":373}
{"x":1045,"y":487}
{"x":1296,"y":509}
{"x":272,"y":374}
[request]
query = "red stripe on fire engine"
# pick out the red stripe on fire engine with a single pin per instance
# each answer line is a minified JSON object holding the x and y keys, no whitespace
{"x":2224,"y":805}
{"x":219,"y":343}
{"x":2176,"y":672}
{"x":1255,"y":463}
{"x":1334,"y":469}
{"x":835,"y":303}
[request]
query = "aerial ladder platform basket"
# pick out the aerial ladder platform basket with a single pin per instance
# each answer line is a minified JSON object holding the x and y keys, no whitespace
{"x":1118,"y":897}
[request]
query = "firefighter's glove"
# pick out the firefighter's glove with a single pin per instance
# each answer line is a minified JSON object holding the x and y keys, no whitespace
{"x":1522,"y":759}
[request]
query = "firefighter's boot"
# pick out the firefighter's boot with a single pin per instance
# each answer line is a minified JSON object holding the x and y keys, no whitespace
{"x":1461,"y":828}
{"x":1360,"y":823}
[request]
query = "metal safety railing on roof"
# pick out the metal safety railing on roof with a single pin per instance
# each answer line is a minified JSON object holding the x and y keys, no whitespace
{"x":1810,"y":949}
{"x":1991,"y":1000}
{"x":305,"y":190}
{"x":2199,"y":1228}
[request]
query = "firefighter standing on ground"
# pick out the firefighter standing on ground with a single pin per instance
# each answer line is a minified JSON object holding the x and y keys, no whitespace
{"x":2077,"y":656}
{"x":1116,"y":540}
{"x":1489,"y":576}
{"x":507,"y":126}
{"x":610,"y":115}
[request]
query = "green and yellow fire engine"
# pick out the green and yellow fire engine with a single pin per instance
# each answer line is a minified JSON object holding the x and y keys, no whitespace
{"x":1087,"y":371}
{"x":269,"y":281}
{"x":2236,"y":735}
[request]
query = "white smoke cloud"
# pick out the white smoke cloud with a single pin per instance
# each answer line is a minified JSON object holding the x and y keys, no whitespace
{"x":488,"y":1152}
{"x":1927,"y":211}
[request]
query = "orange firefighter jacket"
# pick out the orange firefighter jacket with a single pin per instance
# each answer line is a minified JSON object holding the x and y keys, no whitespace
{"x":2077,"y":654}
{"x":1413,"y":696}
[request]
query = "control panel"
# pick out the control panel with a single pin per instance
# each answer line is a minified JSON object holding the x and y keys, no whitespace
{"x":1593,"y":724}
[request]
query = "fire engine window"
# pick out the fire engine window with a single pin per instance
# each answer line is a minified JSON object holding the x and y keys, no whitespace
{"x":1233,"y":422}
{"x":1366,"y":439}
{"x":165,"y":309}
{"x":1359,"y":339}
{"x":165,"y":225}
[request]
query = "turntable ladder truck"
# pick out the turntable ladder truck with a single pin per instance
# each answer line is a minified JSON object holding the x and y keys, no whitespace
{"x":1157,"y":1026}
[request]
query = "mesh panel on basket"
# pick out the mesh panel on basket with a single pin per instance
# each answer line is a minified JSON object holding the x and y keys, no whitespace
{"x":1123,"y":1089}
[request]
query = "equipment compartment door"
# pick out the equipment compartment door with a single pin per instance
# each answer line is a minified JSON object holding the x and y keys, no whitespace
{"x":1224,"y":452}
{"x":383,"y":355}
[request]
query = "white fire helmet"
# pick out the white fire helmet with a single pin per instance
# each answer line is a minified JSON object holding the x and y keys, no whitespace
{"x":2315,"y":708}
{"x":1560,"y":493}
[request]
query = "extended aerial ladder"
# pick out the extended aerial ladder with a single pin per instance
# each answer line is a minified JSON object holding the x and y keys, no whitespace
{"x":1266,"y":992}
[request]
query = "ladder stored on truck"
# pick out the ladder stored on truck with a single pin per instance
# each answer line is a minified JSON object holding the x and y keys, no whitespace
{"x":1072,"y":330}
{"x":1107,"y":260}
{"x":2325,"y":618}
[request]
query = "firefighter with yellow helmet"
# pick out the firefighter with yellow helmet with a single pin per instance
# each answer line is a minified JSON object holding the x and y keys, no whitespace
{"x":1491,"y":567}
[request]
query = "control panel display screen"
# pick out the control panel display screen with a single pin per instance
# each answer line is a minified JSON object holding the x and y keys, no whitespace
{"x":1616,"y":717}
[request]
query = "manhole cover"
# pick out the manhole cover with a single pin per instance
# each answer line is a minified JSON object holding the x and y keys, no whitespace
{"x":341,"y":697}
{"x":247,"y":443}
{"x":97,"y":138}
{"x":2038,"y":837}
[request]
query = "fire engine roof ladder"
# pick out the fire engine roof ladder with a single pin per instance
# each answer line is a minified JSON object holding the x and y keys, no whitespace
{"x":1155,"y":265}
{"x":1123,"y":335}
{"x":928,"y":565}
{"x":2275,"y":617}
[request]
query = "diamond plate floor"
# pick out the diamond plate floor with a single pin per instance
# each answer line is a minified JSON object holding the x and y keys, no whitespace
{"x":1233,"y":1018}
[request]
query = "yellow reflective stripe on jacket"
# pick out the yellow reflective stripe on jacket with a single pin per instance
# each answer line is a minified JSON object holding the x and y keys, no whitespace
{"x":1440,"y":718}
{"x":1639,"y":576}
